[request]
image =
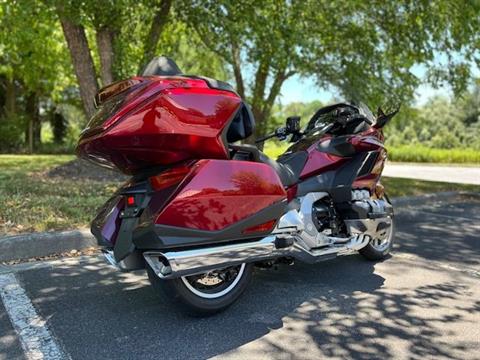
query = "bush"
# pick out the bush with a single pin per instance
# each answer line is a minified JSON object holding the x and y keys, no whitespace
{"x":429,"y":155}
{"x":11,"y":133}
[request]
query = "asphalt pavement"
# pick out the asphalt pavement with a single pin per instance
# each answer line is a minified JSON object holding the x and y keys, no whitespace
{"x":421,"y":303}
{"x":435,"y":172}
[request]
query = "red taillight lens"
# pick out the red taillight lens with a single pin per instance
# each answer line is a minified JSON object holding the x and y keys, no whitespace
{"x":114,"y":89}
{"x":131,"y":201}
{"x":267,"y":226}
{"x":169,"y":177}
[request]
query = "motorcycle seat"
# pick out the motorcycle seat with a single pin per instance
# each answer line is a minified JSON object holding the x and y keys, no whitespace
{"x":288,"y":167}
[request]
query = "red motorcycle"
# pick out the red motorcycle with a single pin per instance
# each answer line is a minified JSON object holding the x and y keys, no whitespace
{"x":201,"y":210}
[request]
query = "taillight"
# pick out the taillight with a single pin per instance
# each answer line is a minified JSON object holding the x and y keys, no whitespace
{"x":169,"y":177}
{"x":131,"y":200}
{"x":114,"y":89}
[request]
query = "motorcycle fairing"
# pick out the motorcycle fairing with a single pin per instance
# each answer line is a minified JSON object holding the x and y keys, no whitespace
{"x":338,"y":182}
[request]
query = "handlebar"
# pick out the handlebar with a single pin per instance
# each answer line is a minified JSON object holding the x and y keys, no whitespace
{"x":280,"y":133}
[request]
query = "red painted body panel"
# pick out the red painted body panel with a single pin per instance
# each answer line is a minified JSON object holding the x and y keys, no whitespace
{"x":167,"y":121}
{"x":319,"y":162}
{"x":219,"y":193}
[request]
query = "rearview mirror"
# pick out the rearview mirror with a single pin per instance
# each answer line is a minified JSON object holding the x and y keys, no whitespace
{"x":383,"y":117}
{"x":293,"y":124}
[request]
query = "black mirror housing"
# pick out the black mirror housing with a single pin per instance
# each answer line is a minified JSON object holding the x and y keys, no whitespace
{"x":293,"y":124}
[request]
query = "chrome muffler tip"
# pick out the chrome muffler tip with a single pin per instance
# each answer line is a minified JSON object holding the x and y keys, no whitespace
{"x":133,"y":261}
{"x":108,"y":255}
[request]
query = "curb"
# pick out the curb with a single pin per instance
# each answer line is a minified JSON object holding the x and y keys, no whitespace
{"x":32,"y":245}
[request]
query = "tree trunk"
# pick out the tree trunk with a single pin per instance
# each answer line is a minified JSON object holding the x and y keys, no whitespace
{"x":10,"y":97}
{"x":158,"y":24}
{"x":33,"y":129}
{"x":105,"y":39}
{"x":262,"y":104}
{"x":82,"y":62}
{"x":237,"y":70}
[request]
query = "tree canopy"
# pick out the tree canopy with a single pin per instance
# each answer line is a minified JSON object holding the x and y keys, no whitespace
{"x":54,"y":55}
{"x":367,"y":50}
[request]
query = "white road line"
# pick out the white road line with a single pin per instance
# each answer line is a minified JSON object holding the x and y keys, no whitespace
{"x":36,"y":340}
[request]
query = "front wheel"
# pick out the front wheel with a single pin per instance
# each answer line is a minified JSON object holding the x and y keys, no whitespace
{"x":379,"y":248}
{"x":204,"y":294}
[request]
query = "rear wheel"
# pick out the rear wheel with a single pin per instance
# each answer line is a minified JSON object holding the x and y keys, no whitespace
{"x":204,"y":294}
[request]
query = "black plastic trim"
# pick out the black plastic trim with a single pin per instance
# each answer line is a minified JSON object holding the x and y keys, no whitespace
{"x":338,"y":183}
{"x":157,"y":237}
{"x":368,"y":164}
{"x":338,"y":146}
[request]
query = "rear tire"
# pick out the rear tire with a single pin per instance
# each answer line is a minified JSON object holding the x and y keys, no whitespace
{"x":186,"y":294}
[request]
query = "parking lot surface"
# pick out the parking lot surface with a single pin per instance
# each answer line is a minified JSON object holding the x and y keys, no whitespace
{"x":421,"y":303}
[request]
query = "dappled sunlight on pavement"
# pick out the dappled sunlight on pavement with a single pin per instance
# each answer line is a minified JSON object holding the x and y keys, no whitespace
{"x":420,"y":303}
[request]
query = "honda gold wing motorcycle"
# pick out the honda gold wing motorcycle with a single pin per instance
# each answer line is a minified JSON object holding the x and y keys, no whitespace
{"x":201,"y":210}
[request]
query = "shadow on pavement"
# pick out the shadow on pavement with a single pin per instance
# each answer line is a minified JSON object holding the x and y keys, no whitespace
{"x":433,"y":235}
{"x":10,"y":347}
{"x":341,"y":308}
{"x":337,"y":308}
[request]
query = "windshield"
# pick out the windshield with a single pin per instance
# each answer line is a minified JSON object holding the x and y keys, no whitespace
{"x":365,"y":111}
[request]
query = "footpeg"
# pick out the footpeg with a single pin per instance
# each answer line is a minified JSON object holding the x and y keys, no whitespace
{"x":282,"y":243}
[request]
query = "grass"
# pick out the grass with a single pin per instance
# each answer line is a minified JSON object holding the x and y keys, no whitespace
{"x":423,"y":154}
{"x":273,"y":149}
{"x":396,"y":187}
{"x":31,"y":201}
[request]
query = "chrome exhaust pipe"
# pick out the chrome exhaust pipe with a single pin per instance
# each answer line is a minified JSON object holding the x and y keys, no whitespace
{"x":176,"y":264}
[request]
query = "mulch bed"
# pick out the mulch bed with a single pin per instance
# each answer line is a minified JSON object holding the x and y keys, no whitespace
{"x":80,"y":169}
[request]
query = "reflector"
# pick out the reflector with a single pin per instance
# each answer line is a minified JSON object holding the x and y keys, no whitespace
{"x":267,"y":226}
{"x":169,"y":177}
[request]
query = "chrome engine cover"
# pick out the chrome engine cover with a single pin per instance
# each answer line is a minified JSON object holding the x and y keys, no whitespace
{"x":377,"y":223}
{"x":299,"y":222}
{"x":374,"y":223}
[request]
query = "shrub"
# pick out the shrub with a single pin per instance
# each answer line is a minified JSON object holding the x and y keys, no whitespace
{"x":11,"y":133}
{"x":429,"y":155}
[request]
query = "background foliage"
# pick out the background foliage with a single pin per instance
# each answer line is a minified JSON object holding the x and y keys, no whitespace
{"x":54,"y":54}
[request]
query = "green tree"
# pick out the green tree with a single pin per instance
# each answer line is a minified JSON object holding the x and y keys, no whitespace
{"x":32,"y":68}
{"x":365,"y":49}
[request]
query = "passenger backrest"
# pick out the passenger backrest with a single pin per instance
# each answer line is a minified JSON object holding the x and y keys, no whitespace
{"x":242,"y":126}
{"x":161,"y":66}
